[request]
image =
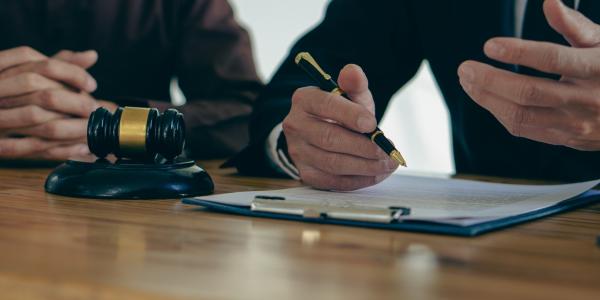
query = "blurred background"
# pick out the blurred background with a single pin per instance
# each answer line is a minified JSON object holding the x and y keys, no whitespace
{"x":417,"y":119}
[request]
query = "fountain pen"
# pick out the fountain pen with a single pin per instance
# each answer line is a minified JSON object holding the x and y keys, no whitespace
{"x":307,"y":63}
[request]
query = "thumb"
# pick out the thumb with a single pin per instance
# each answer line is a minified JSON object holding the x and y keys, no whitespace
{"x":354,"y":82}
{"x":83,"y":59}
{"x":577,"y":29}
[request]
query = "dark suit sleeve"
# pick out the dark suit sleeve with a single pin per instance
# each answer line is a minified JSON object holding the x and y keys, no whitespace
{"x":216,"y":72}
{"x":379,"y":35}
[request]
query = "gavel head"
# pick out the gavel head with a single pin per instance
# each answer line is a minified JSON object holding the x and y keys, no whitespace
{"x":136,"y":133}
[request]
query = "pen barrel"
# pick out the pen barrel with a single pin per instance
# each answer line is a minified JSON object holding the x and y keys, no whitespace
{"x":381,"y":140}
{"x":324,"y":81}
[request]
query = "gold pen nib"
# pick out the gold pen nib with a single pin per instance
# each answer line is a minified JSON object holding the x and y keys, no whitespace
{"x":398,"y":157}
{"x":307,"y":57}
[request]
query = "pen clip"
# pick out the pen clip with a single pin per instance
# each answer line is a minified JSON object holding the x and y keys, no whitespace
{"x":326,"y":210}
{"x":309,"y":59}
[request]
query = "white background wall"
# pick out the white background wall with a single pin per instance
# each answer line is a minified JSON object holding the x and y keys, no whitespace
{"x":417,"y":119}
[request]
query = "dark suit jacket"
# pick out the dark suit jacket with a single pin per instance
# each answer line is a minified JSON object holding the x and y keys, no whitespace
{"x":142,"y":45}
{"x":390,"y":39}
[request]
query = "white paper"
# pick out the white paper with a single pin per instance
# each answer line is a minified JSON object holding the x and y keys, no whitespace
{"x":450,"y":201}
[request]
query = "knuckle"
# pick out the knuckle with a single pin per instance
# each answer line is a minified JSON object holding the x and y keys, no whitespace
{"x":289,"y":126}
{"x":38,"y":145}
{"x":33,"y":114}
{"x":27,"y":52}
{"x":298,"y":96}
{"x":590,"y":69}
{"x":486,"y":80}
{"x":49,"y":97}
{"x":551,"y":58}
{"x":475,"y":92}
{"x":323,"y":105}
{"x":48,"y":66}
{"x":63,"y":53}
{"x":327,"y":138}
{"x":528,"y":93}
{"x":29,"y":80}
{"x":328,"y":101}
{"x":326,"y":104}
{"x":517,"y":52}
{"x":516,"y":120}
{"x":580,"y":128}
{"x":331,"y":164}
{"x":50,"y":130}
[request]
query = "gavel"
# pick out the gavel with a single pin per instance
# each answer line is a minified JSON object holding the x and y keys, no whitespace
{"x":136,"y":133}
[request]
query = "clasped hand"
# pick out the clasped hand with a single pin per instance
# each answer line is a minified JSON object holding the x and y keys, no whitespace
{"x":45,"y":103}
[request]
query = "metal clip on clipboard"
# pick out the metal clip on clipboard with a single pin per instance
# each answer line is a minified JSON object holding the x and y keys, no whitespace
{"x":279,"y":205}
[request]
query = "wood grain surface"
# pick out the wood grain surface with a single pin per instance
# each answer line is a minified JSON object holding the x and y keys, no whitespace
{"x":55,"y":247}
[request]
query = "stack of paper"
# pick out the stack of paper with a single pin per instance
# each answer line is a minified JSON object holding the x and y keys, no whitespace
{"x":446,"y":201}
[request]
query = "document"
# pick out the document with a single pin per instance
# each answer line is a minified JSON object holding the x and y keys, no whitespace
{"x":440,"y":200}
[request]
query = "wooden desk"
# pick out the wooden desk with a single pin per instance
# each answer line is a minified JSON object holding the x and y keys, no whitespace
{"x":60,"y":248}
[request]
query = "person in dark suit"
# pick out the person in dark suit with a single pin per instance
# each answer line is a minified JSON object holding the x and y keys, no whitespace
{"x":521,"y":80}
{"x":60,"y":60}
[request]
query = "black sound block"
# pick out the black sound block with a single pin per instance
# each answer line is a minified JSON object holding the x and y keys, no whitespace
{"x":129,"y":180}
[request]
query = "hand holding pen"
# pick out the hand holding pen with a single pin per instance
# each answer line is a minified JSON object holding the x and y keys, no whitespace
{"x":325,"y":135}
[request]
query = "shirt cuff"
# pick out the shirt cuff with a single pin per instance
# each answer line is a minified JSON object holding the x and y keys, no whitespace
{"x":279,"y":161}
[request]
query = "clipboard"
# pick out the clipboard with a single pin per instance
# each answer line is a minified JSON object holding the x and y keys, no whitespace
{"x":270,"y":208}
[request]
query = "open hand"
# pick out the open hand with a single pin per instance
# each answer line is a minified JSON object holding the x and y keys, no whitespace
{"x":564,"y":112}
{"x":44,"y":103}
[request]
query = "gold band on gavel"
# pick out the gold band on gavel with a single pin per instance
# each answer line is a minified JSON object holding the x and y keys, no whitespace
{"x":132,"y":131}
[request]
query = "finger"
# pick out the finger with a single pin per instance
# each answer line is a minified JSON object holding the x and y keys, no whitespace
{"x":61,"y":129}
{"x":333,"y":107}
{"x":26,"y":116}
{"x":58,"y":100}
{"x":518,"y":88}
{"x":577,"y":29}
{"x":543,"y":56}
{"x":65,"y":152}
{"x":84,"y":59}
{"x":517,"y":119}
{"x":343,"y":164}
{"x":58,"y":70}
{"x":110,"y":106}
{"x":20,"y":55}
{"x":331,"y":137}
{"x":26,"y":83}
{"x":23,"y":147}
{"x":321,"y":180}
{"x":354,"y":82}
